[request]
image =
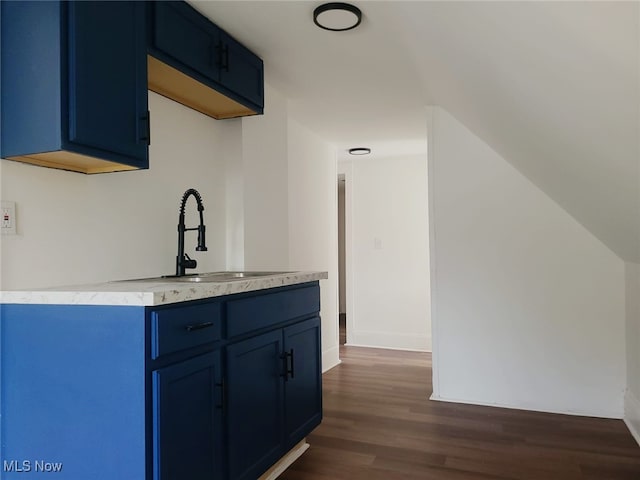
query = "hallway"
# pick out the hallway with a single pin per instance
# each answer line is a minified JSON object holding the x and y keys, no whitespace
{"x":380,"y":425}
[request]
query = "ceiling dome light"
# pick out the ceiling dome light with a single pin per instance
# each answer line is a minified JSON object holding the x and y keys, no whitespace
{"x":360,"y":151}
{"x":337,"y":16}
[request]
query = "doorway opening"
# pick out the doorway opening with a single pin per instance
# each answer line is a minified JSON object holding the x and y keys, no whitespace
{"x":342,"y":270}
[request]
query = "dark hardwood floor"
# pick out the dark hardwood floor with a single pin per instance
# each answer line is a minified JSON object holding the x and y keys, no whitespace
{"x":379,"y":425}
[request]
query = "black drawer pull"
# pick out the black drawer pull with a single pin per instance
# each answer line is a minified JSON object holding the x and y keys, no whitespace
{"x":200,"y":326}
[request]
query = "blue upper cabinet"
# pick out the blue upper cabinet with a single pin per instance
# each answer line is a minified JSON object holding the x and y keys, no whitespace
{"x":74,"y":85}
{"x":240,"y":69}
{"x":107,"y":78}
{"x":194,"y":62}
{"x":185,"y":37}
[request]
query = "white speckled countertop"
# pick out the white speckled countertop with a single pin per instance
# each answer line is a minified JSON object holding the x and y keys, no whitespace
{"x":148,"y":292}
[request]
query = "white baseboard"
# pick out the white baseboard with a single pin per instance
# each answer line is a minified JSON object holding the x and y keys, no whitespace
{"x":532,"y":408}
{"x":632,"y":415}
{"x":330,"y":358}
{"x":387,"y":348}
{"x":390,"y":340}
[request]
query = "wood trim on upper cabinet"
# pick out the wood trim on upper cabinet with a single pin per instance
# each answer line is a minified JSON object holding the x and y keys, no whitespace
{"x":172,"y":83}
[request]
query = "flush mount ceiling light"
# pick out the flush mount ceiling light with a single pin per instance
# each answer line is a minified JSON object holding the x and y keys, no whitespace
{"x":337,"y":16}
{"x":360,"y":151}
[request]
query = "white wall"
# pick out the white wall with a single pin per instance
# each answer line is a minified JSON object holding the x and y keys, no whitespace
{"x":313,"y":224}
{"x":266,"y":199}
{"x":389,"y":253}
{"x":632,"y":398}
{"x":74,"y":228}
{"x":528,"y":306}
{"x":231,"y":131}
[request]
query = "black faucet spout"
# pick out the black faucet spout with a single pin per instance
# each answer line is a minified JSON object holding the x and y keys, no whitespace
{"x":202,"y":247}
{"x":182,"y":260}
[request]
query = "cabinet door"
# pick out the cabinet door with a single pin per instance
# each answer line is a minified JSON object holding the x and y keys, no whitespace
{"x":303,"y":388}
{"x":254,"y":404}
{"x":241,"y":71}
{"x":186,"y":37}
{"x":186,"y":423}
{"x":107,"y":79}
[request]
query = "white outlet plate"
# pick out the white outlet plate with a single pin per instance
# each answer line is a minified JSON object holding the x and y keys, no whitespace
{"x":8,"y":218}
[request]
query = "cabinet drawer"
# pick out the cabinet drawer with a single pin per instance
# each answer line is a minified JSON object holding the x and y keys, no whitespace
{"x":180,"y":328}
{"x":263,"y":311}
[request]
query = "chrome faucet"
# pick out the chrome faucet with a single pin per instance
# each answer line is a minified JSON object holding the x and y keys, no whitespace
{"x":183,"y":261}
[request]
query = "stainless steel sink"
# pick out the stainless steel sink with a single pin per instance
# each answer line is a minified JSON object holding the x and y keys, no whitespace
{"x":219,"y":276}
{"x":227,"y":276}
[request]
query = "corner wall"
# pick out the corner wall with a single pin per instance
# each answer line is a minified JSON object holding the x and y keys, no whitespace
{"x":285,"y":179}
{"x":632,"y":397}
{"x":528,"y":306}
{"x":313,"y":224}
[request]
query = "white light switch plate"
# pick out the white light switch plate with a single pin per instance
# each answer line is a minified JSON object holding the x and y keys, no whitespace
{"x":8,"y":218}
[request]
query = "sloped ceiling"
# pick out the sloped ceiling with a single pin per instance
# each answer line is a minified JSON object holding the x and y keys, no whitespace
{"x":554,"y":87}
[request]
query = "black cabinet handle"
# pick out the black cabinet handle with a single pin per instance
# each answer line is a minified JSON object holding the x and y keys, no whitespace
{"x":199,"y":326}
{"x":223,"y":395}
{"x":222,"y":56}
{"x":144,"y":129}
{"x":288,"y":370}
{"x":225,"y":65}
{"x":292,"y":364}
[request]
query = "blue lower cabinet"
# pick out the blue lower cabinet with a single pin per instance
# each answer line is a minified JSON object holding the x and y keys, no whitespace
{"x":172,"y":392}
{"x":303,"y":388}
{"x":255,"y":404}
{"x":187,"y":420}
{"x":274,"y":386}
{"x":72,"y":396}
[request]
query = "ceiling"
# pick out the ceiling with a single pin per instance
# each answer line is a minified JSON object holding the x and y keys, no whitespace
{"x":554,"y":87}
